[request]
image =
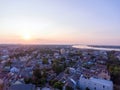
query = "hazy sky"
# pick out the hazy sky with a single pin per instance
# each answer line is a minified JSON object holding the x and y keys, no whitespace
{"x":60,"y":21}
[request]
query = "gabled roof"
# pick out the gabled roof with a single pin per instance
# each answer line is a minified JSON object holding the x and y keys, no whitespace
{"x":22,"y":87}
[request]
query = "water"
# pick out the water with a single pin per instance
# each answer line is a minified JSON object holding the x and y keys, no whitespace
{"x":96,"y":48}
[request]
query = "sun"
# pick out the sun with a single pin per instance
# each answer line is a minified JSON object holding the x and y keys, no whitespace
{"x":27,"y":37}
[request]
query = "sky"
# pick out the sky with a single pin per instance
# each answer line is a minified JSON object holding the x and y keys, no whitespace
{"x":60,"y":22}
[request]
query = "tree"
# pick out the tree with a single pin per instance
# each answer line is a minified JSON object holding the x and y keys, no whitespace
{"x":27,"y":80}
{"x":69,"y":88}
{"x":8,"y":63}
{"x":43,"y":73}
{"x":37,"y":73}
{"x":87,"y":88}
{"x":42,"y":81}
{"x":52,"y":82}
{"x":58,"y":68}
{"x":36,"y":76}
{"x":45,"y":61}
{"x":58,"y":85}
{"x":113,"y":66}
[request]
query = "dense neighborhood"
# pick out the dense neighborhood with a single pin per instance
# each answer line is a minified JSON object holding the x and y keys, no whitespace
{"x":58,"y":67}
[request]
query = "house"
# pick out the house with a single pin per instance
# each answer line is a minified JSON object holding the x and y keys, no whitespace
{"x":22,"y":87}
{"x":104,"y":75}
{"x":95,"y":84}
{"x":14,"y":70}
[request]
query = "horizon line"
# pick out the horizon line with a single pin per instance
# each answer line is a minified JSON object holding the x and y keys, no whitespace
{"x":57,"y":44}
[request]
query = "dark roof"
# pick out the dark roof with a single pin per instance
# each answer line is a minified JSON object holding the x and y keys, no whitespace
{"x":22,"y":87}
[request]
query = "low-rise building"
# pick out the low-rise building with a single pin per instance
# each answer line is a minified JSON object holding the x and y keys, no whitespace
{"x":22,"y":87}
{"x":95,"y":84}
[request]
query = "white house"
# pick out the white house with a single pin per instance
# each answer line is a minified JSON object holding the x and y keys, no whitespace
{"x":14,"y":70}
{"x":95,"y":84}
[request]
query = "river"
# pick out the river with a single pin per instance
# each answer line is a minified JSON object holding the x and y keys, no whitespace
{"x":95,"y":48}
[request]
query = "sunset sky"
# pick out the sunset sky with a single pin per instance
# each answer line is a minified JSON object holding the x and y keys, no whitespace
{"x":60,"y":22}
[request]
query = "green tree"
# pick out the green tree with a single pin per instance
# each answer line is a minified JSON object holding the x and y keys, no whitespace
{"x":58,"y":68}
{"x":69,"y":88}
{"x":27,"y":80}
{"x":113,"y":66}
{"x":58,"y":85}
{"x":45,"y":61}
{"x":37,"y":73}
{"x":36,"y":76}
{"x":52,"y":82}
{"x":43,"y":81}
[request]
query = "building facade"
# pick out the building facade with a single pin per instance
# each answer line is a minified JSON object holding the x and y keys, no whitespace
{"x":95,"y":84}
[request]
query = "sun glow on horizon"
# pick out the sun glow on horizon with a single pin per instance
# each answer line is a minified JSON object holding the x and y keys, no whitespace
{"x":27,"y":36}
